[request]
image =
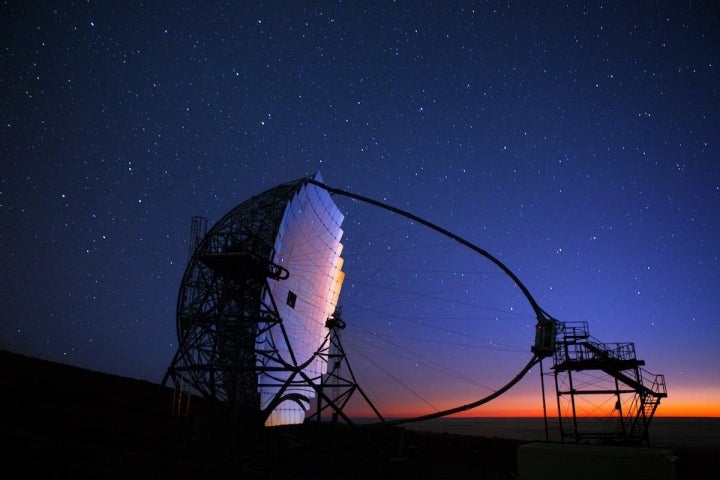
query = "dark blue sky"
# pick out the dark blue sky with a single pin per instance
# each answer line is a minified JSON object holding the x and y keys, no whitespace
{"x":577,"y":142}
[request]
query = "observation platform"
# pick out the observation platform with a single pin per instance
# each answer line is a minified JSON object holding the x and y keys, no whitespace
{"x":241,"y":265}
{"x":636,"y":392}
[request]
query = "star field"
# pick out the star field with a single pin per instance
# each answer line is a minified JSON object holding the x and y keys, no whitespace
{"x":576,"y":142}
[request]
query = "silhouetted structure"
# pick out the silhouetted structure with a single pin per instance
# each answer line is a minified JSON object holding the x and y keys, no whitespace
{"x":259,"y":327}
{"x":253,"y":305}
{"x":586,"y":369}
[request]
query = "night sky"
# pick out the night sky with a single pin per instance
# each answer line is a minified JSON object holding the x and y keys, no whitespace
{"x":578,"y":143}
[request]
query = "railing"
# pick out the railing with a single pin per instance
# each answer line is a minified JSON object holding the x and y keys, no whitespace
{"x":594,"y":350}
{"x":655,"y":383}
{"x":613,"y":351}
{"x":572,"y":331}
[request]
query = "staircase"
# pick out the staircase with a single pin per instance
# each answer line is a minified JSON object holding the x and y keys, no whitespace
{"x":646,"y":404}
{"x":576,"y":353}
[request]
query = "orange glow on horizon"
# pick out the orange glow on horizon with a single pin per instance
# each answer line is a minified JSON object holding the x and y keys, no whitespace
{"x":690,"y":411}
{"x":683,"y":403}
{"x":691,"y":403}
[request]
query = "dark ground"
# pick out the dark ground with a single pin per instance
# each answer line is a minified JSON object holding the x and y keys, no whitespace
{"x":65,"y":422}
